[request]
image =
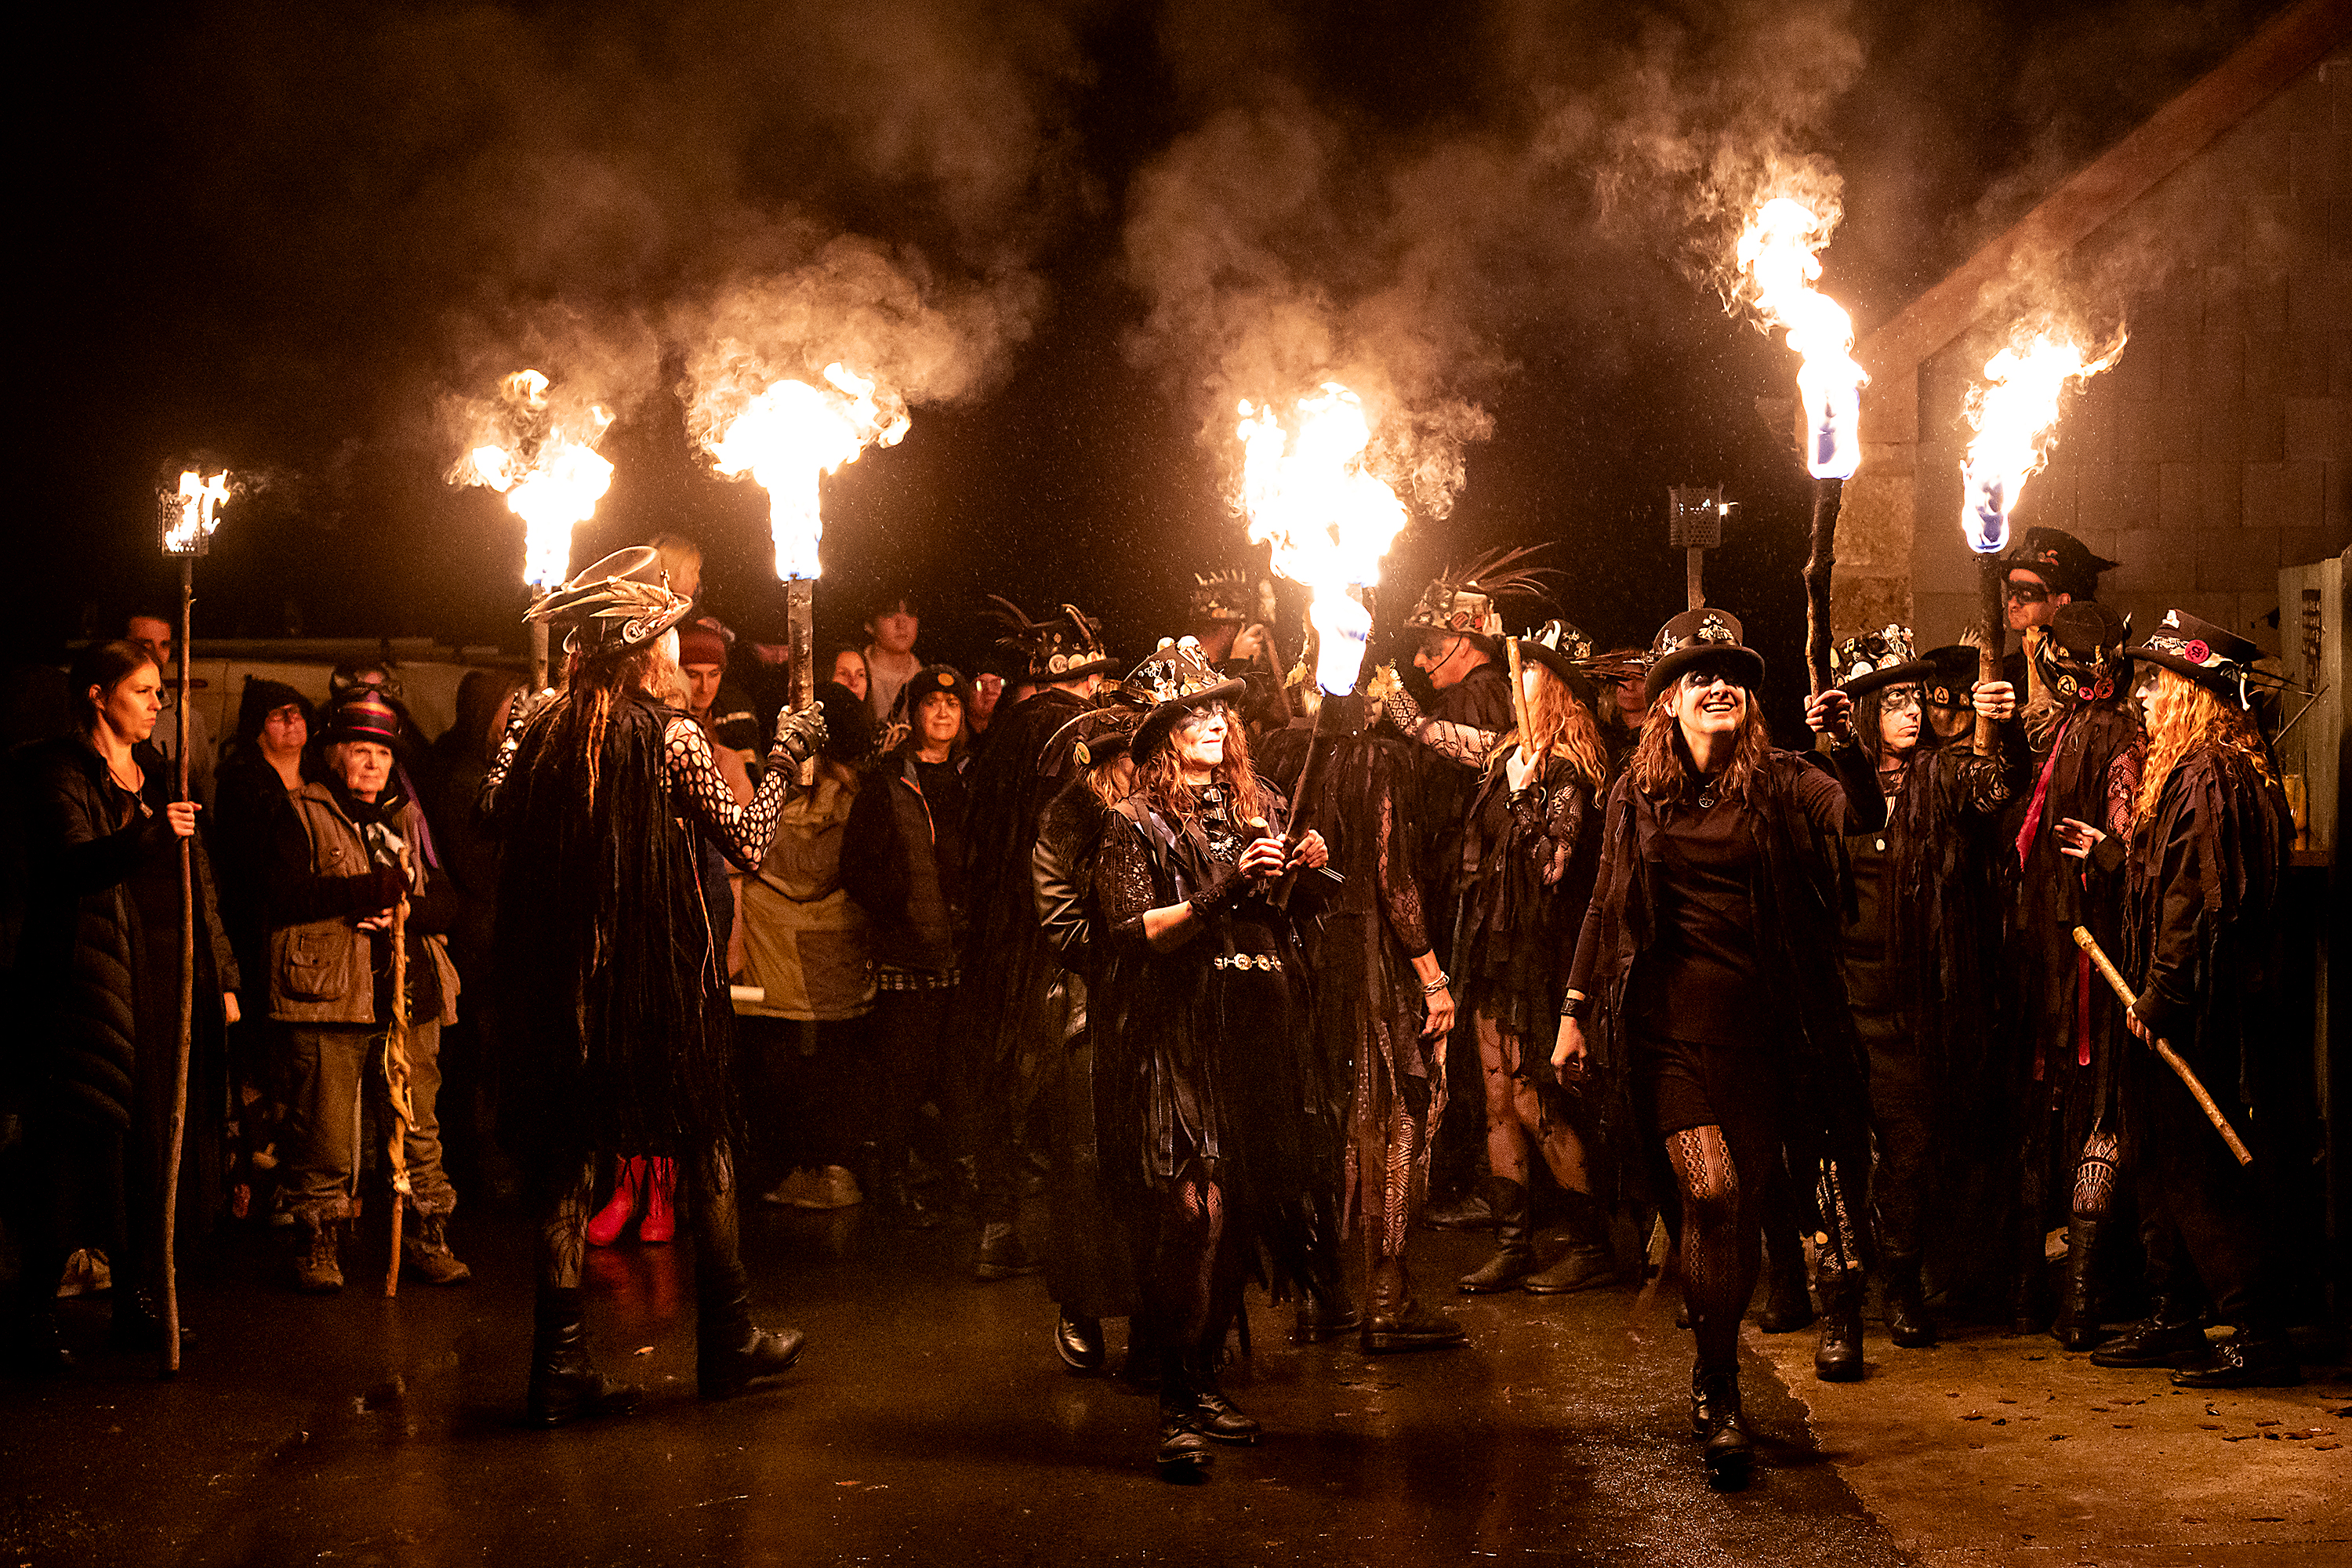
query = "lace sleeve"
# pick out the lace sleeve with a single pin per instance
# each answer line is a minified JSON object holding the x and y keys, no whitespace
{"x":1564,"y":821}
{"x":2123,"y":791}
{"x":486,"y":801}
{"x":1123,"y":888}
{"x":700,"y":791}
{"x":1463,"y":743}
{"x":1400,"y":889}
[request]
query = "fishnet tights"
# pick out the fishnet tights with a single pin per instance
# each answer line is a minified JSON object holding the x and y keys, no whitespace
{"x":562,"y":1200}
{"x":1721,"y":1242}
{"x":1184,"y":1270}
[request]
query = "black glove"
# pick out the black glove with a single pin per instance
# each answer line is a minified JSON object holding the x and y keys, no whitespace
{"x":1229,"y":889}
{"x":798,"y":735}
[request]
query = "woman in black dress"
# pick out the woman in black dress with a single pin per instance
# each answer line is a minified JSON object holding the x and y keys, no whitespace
{"x":1207,"y":1040}
{"x":1708,"y":971}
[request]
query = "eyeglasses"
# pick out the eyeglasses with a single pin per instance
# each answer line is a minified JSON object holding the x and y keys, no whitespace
{"x":2027,"y":593}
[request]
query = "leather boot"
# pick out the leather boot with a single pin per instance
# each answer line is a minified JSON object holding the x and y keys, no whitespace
{"x":2078,"y":1327}
{"x":1469,"y":1212}
{"x":1906,"y":1305}
{"x":1788,"y":1306}
{"x":731,"y":1353}
{"x":1079,"y":1340}
{"x":1729,"y":1453}
{"x":1002,"y":1255}
{"x":2248,"y":1358}
{"x":660,"y":1223}
{"x":565,"y":1385}
{"x":425,"y":1249}
{"x":1700,"y":1424}
{"x":628,"y":1185}
{"x":1515,"y":1241}
{"x":318,"y":1258}
{"x":1184,"y":1451}
{"x":1587,"y":1263}
{"x":1838,"y":1358}
{"x":1214,"y":1416}
{"x":1325,"y":1313}
{"x":1397,"y":1322}
{"x":2170,"y":1335}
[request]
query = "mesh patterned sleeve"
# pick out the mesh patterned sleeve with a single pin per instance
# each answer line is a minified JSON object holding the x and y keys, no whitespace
{"x":1123,"y":881}
{"x":1400,"y":888}
{"x":699,"y":790}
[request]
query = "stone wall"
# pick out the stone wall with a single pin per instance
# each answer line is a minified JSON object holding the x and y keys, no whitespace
{"x":2220,"y":447}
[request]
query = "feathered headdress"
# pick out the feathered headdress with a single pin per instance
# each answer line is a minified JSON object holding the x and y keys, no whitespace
{"x":1466,"y":602}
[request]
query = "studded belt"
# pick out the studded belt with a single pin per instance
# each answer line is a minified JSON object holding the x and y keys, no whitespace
{"x":1264,"y":961}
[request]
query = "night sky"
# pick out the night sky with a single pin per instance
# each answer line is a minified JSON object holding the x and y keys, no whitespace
{"x":284,"y":237}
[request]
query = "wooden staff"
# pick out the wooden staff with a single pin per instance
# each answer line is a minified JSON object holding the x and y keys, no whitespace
{"x":395,"y":1083}
{"x":1821,"y":563}
{"x":2090,"y":944}
{"x":800,"y":608}
{"x":187,"y":998}
{"x":1518,"y":694}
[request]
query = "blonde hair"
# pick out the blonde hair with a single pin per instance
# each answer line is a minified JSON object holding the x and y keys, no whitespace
{"x":1563,"y":726}
{"x":2182,"y":715}
{"x":1662,"y":766}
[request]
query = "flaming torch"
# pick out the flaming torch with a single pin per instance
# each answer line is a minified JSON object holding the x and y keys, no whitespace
{"x":543,"y":458}
{"x":788,"y":437}
{"x":1329,"y":520}
{"x":1780,"y":258}
{"x":2014,"y":414}
{"x":186,"y":517}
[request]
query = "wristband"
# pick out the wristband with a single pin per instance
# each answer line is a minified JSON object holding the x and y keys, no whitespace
{"x":1438,"y":985}
{"x":1573,"y":1007}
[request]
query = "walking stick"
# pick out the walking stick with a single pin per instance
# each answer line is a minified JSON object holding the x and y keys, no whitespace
{"x":395,"y":1083}
{"x":2090,"y":944}
{"x":187,"y":1000}
{"x":1820,"y":565}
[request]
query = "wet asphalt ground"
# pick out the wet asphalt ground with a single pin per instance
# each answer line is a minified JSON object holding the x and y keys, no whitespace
{"x":928,"y":1423}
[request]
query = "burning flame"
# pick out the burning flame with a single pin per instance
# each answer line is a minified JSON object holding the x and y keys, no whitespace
{"x":545,"y":464}
{"x":2012,"y":416}
{"x":791,"y":436}
{"x":1779,"y":255}
{"x":193,"y":510}
{"x":1328,"y":517}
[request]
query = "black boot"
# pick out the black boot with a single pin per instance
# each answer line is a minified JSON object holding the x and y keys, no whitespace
{"x":1515,"y":1241}
{"x":1838,"y":1358}
{"x":1588,"y":1262}
{"x":1398,"y":1322}
{"x":2078,"y":1327}
{"x":2170,"y":1335}
{"x":1788,"y":1306}
{"x":1700,"y":1424}
{"x":731,"y":1353}
{"x":2248,"y":1358}
{"x":1906,"y":1305}
{"x":1214,"y":1416}
{"x":1079,"y":1340}
{"x":1184,"y":1451}
{"x":1325,"y":1313}
{"x":1469,"y":1212}
{"x":565,"y":1385}
{"x":1729,"y":1453}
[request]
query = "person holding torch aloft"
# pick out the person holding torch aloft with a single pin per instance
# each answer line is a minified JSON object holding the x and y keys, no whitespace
{"x":1706,"y":993}
{"x":613,"y":991}
{"x":2202,"y":869}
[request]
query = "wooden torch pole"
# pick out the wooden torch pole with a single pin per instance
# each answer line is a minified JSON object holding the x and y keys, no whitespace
{"x":187,"y":996}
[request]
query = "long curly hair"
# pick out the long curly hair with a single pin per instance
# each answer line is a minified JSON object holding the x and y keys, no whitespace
{"x":1563,"y":725}
{"x":2183,"y":715}
{"x":1664,"y":769}
{"x":1160,"y":781}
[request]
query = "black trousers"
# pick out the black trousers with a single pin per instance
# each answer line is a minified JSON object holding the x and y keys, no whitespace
{"x":1903,"y":1126}
{"x":2194,"y":1194}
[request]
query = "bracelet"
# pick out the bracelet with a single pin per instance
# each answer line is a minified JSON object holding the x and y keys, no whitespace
{"x":1438,"y":985}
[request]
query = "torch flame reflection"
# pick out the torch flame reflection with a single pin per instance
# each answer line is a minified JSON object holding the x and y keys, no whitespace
{"x":545,"y":464}
{"x":1779,"y":255}
{"x":2013,"y":414}
{"x":791,"y":435}
{"x":194,"y":512}
{"x":1327,"y":518}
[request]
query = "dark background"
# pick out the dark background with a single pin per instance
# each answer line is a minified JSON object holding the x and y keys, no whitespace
{"x":282,"y":238}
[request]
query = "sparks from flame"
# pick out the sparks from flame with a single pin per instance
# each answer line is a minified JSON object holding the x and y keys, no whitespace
{"x":193,"y":509}
{"x":546,"y":464}
{"x":790,"y":436}
{"x":2014,"y":414}
{"x":1779,"y":257}
{"x":1327,"y":518}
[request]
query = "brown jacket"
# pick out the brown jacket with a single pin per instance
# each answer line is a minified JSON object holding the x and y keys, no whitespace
{"x":321,"y":970}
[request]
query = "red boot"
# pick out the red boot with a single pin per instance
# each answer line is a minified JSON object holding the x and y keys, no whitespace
{"x":661,"y":1218}
{"x":615,"y":1216}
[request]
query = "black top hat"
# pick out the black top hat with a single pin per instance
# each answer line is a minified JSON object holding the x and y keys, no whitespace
{"x":1697,"y":635}
{"x":1178,"y":678}
{"x":1882,"y":657}
{"x":1465,"y":603}
{"x":1950,"y":680}
{"x":1562,"y":650}
{"x":2059,"y":559}
{"x":621,"y":602}
{"x":1067,"y":647}
{"x":2221,"y":661}
{"x":1097,"y":735}
{"x":2082,"y":652}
